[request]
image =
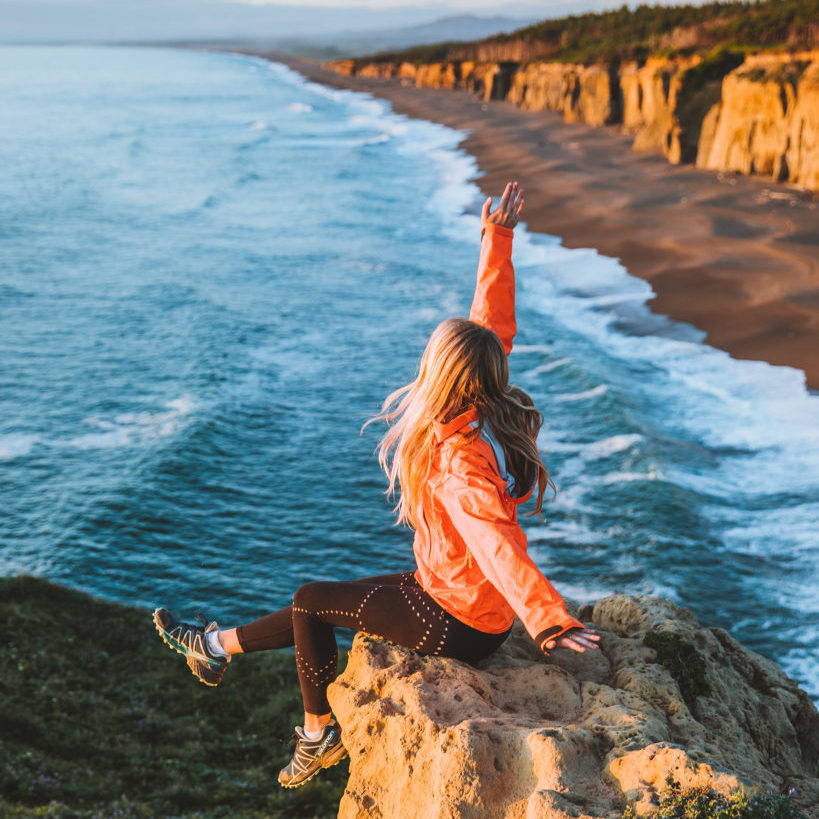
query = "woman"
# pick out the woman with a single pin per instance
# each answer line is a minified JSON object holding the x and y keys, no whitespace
{"x":461,"y":445}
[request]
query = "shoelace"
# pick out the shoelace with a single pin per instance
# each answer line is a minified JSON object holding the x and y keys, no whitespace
{"x":291,"y":741}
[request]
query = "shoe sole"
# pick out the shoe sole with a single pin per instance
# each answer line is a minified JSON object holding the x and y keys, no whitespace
{"x":333,"y":760}
{"x":180,"y":649}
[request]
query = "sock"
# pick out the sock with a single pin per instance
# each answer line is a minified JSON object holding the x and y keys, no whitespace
{"x":313,"y":735}
{"x":214,"y":645}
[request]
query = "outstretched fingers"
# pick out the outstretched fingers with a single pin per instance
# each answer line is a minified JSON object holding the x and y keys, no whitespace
{"x":514,"y":203}
{"x":519,"y":204}
{"x":507,"y":193}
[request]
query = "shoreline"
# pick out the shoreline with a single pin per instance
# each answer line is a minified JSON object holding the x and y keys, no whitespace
{"x":735,"y":256}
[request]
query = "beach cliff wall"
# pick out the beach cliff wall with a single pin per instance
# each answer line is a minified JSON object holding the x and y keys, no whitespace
{"x":755,"y":114}
{"x":573,"y":735}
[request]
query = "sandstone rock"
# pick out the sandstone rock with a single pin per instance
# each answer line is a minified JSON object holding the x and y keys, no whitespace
{"x":480,"y":78}
{"x":541,"y":86}
{"x":436,"y":75}
{"x":665,"y":102}
{"x":382,"y":71}
{"x":587,"y":94}
{"x":407,"y":71}
{"x":767,"y":121}
{"x":572,"y":735}
{"x":344,"y":67}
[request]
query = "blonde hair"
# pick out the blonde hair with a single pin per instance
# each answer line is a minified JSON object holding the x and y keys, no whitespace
{"x":464,"y":365}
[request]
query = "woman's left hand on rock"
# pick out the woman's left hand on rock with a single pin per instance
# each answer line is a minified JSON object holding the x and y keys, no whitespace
{"x":578,"y":640}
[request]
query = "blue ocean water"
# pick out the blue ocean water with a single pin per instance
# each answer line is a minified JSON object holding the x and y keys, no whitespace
{"x":211,"y":274}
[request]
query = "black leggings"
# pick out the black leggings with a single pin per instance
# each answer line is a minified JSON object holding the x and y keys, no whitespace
{"x":392,"y":606}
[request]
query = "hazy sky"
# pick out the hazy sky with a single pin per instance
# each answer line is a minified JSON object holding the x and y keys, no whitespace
{"x":94,"y":20}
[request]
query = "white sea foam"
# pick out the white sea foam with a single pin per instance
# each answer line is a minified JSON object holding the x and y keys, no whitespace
{"x":585,"y":593}
{"x":125,"y":429}
{"x":600,"y":389}
{"x":610,"y":446}
{"x":520,"y":349}
{"x":547,"y":368}
{"x":16,"y":445}
{"x":131,"y":428}
{"x":568,"y":530}
{"x":299,"y":108}
{"x":628,"y":477}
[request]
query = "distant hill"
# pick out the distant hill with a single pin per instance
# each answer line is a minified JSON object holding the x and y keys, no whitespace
{"x":355,"y":42}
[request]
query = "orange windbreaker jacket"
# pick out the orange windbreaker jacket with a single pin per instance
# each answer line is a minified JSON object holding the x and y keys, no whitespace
{"x":469,"y":547}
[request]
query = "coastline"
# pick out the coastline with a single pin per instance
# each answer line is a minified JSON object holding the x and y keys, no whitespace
{"x":735,"y":256}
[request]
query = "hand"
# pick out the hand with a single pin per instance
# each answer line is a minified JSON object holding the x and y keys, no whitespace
{"x":578,"y":639}
{"x":508,"y":211}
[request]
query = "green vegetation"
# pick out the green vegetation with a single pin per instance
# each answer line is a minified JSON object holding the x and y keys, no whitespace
{"x":418,"y":55}
{"x":705,"y":803}
{"x":683,"y":661}
{"x":780,"y":74}
{"x":635,"y":34}
{"x":99,"y":719}
{"x":715,"y":65}
{"x":647,"y":30}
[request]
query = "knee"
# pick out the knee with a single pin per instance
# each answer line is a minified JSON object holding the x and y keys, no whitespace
{"x":308,"y":597}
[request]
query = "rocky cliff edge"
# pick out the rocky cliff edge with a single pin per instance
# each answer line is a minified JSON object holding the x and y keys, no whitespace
{"x":573,"y":735}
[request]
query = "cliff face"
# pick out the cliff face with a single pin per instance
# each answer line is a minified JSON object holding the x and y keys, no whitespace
{"x":767,"y":120}
{"x":574,"y":735}
{"x":583,"y":93}
{"x":757,"y":115}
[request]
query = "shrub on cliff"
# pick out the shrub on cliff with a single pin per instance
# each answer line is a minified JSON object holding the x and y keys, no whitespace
{"x":705,"y":803}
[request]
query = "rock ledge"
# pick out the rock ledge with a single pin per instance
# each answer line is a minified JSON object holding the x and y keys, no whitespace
{"x":572,"y":735}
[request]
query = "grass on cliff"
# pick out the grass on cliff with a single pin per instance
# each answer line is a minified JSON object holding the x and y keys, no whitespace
{"x":683,"y":661}
{"x":677,"y":802}
{"x":99,"y":719}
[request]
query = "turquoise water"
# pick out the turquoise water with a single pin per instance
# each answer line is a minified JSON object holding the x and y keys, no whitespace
{"x":211,"y":274}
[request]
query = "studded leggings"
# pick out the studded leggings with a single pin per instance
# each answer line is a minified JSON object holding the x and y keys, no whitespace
{"x":392,"y":606}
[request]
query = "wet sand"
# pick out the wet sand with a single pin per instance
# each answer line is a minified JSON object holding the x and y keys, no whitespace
{"x":736,"y":256}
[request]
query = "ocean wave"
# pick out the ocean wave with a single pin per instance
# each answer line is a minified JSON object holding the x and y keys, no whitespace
{"x":548,"y":367}
{"x":521,"y":349}
{"x":125,"y":429}
{"x":612,"y":445}
{"x":629,"y":477}
{"x":600,"y":389}
{"x":132,"y":428}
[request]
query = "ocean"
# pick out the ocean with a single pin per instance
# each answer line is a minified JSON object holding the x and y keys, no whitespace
{"x":212,"y":272}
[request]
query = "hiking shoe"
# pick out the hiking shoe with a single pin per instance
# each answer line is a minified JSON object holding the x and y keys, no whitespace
{"x":191,"y":642}
{"x":311,"y":755}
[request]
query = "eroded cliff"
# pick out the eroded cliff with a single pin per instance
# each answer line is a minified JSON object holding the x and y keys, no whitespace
{"x":756,"y":114}
{"x":574,"y":735}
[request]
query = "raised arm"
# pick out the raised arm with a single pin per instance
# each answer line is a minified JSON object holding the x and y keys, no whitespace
{"x":493,"y":305}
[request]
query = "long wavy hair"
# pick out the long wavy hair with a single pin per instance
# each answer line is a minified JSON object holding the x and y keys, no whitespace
{"x":464,"y":365}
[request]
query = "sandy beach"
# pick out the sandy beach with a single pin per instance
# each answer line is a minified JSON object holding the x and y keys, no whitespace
{"x":736,"y":256}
